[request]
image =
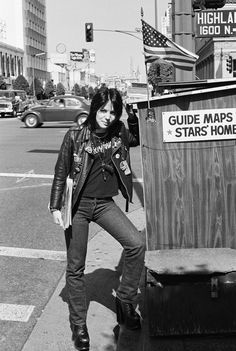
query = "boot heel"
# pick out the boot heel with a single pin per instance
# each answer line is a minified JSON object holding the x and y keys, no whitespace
{"x":127,"y":315}
{"x":119,"y":312}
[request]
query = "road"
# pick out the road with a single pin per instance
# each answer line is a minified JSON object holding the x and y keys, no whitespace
{"x":32,"y":250}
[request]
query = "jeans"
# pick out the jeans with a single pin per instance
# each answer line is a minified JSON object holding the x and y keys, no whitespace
{"x":111,"y":218}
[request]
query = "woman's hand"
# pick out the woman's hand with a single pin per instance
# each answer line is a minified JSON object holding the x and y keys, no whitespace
{"x":57,"y":219}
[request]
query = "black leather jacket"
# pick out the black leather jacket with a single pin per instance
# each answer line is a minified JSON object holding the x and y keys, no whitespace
{"x":75,"y":160}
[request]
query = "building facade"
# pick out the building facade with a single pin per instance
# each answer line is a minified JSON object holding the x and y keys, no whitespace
{"x":23,"y":40}
{"x":213,"y":53}
{"x":35,"y":40}
{"x":11,"y":40}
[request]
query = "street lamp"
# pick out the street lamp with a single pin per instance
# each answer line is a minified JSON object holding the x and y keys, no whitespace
{"x":33,"y":68}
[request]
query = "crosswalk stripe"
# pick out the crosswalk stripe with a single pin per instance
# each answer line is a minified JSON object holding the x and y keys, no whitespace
{"x":32,"y":253}
{"x":15,"y":313}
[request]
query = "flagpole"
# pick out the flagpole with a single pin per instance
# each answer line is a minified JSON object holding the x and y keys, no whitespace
{"x":148,"y":95}
{"x":146,"y":71}
{"x":150,"y":112}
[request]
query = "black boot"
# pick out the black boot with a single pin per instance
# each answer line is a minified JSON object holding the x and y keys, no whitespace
{"x":127,"y":315}
{"x":80,"y":337}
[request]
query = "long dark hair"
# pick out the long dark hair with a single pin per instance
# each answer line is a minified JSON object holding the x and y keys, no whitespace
{"x":99,"y":100}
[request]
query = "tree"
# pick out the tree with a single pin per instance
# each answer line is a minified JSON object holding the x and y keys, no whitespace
{"x":84,"y":92}
{"x":3,"y":85}
{"x":91,"y":92}
{"x":49,"y":89}
{"x":21,"y":83}
{"x":160,"y":71}
{"x":60,"y":90}
{"x":38,"y":89}
{"x":76,"y":89}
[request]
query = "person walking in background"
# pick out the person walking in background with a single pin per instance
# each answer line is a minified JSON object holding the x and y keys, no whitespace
{"x":96,"y":156}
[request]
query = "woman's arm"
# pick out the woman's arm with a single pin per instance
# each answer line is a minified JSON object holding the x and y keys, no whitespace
{"x":62,"y":169}
{"x":133,"y":125}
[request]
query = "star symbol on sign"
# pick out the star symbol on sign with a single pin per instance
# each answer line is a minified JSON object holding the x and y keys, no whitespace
{"x":169,"y":132}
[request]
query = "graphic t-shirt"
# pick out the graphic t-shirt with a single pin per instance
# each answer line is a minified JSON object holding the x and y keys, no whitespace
{"x":102,"y":179}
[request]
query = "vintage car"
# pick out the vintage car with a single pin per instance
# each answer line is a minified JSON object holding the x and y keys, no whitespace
{"x":63,"y":108}
{"x":12,"y":102}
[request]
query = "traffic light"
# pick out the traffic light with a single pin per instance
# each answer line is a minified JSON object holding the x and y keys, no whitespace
{"x":229,"y":64}
{"x":208,"y":4}
{"x":89,"y":32}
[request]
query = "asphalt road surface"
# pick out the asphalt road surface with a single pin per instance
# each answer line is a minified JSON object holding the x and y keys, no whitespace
{"x":32,"y":250}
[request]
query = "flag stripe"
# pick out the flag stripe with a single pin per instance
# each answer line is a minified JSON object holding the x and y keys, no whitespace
{"x":174,"y":56}
{"x":167,"y":51}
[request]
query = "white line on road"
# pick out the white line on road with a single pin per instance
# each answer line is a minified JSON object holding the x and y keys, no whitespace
{"x":26,"y":186}
{"x":27,"y":175}
{"x":33,"y":253}
{"x":15,"y":313}
{"x":45,"y":176}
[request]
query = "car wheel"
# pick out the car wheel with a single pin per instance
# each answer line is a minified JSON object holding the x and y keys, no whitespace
{"x":2,"y":115}
{"x":81,"y":119}
{"x":31,"y":121}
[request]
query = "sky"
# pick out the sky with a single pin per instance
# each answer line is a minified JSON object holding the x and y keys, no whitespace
{"x":116,"y":53}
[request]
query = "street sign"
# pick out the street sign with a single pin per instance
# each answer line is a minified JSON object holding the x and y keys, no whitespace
{"x":216,"y":23}
{"x":86,"y":55}
{"x":76,"y":56}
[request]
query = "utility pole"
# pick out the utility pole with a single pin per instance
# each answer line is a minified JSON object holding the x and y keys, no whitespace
{"x":183,"y":33}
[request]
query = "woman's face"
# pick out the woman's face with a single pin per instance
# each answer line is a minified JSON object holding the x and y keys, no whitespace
{"x":105,"y":116}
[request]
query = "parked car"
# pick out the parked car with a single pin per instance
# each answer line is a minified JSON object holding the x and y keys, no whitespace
{"x":63,"y":108}
{"x":12,"y":102}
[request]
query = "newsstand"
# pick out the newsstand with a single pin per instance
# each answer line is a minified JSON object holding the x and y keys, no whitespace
{"x":188,"y":154}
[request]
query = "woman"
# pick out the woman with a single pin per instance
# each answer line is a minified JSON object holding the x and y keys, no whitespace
{"x":96,"y":156}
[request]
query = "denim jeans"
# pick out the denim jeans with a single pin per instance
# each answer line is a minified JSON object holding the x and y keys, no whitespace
{"x":111,"y":218}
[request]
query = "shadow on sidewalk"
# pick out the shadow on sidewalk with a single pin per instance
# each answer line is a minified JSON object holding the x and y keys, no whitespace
{"x":101,"y":285}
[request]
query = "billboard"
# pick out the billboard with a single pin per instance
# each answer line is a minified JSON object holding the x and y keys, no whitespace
{"x":76,"y":56}
{"x":11,"y":23}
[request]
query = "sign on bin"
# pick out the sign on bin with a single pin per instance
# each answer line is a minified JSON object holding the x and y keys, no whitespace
{"x":197,"y":125}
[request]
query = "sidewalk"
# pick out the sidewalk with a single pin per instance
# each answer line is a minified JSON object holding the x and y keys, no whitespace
{"x":52,"y":331}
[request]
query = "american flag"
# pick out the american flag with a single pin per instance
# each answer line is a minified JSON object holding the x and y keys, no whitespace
{"x":156,"y":45}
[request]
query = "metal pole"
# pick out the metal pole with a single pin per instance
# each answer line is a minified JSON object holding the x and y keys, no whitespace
{"x":183,"y":33}
{"x":33,"y":85}
{"x":156,"y":21}
{"x":33,"y":68}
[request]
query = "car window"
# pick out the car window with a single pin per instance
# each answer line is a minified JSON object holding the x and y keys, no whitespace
{"x":86,"y":102}
{"x":57,"y":103}
{"x":73,"y":102}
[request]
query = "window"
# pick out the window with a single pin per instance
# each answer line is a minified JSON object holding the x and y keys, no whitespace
{"x":73,"y":102}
